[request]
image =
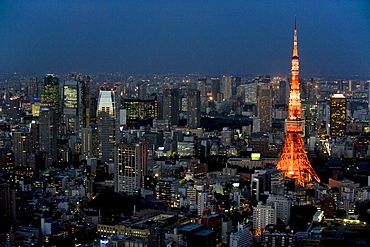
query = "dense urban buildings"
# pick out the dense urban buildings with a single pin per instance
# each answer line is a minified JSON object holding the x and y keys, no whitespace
{"x":109,"y":159}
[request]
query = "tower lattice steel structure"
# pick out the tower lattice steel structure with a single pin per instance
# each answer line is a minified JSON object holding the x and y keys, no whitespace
{"x":293,"y":160}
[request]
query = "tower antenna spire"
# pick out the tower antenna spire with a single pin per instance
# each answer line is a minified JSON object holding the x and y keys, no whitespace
{"x":295,"y":22}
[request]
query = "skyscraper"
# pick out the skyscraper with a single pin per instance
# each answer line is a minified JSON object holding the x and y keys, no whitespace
{"x":264,"y":104}
{"x":201,"y":86}
{"x":283,"y":92}
{"x":33,"y":88}
{"x":87,"y":145}
{"x":48,"y":132}
{"x":226,"y":87}
{"x":70,"y":97}
{"x":131,"y":166}
{"x":338,"y":106}
{"x":50,"y":93}
{"x":170,"y":108}
{"x":21,"y":144}
{"x":216,"y":88}
{"x":84,"y":103}
{"x":193,"y":98}
{"x":106,"y":124}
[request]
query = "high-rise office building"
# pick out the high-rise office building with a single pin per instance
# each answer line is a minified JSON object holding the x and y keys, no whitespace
{"x":193,"y":99}
{"x":338,"y":106}
{"x":201,"y":86}
{"x":106,"y":124}
{"x":251,"y":92}
{"x":33,"y":89}
{"x":139,"y":112}
{"x":50,"y":94}
{"x":21,"y":144}
{"x":283,"y":93}
{"x":131,"y":167}
{"x":48,"y":132}
{"x":87,"y":144}
{"x":171,"y":106}
{"x":226,"y":87}
{"x":84,"y":103}
{"x":216,"y":89}
{"x":264,"y":104}
{"x":235,"y":84}
{"x":70,"y":97}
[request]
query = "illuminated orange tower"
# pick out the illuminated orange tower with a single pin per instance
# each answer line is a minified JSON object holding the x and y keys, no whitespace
{"x":293,"y":160}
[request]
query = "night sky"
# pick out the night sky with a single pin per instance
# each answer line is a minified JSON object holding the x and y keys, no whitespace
{"x":246,"y":37}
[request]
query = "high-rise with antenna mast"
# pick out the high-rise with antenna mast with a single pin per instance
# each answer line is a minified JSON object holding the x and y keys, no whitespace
{"x":293,"y":160}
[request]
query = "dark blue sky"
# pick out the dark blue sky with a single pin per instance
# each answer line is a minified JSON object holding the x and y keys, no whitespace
{"x":184,"y":36}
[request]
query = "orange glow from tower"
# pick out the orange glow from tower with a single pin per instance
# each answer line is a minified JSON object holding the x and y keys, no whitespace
{"x":293,"y":160}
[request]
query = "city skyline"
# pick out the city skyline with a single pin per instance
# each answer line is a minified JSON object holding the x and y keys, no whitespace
{"x":209,"y":37}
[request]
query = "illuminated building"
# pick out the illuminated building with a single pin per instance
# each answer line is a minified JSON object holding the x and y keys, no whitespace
{"x":36,"y":108}
{"x":70,"y":105}
{"x":106,"y":124}
{"x":140,"y":112}
{"x":131,"y":167}
{"x":76,"y":103}
{"x":21,"y":144}
{"x":293,"y":160}
{"x":263,"y":215}
{"x":50,"y":93}
{"x":338,"y":106}
{"x":166,"y":190}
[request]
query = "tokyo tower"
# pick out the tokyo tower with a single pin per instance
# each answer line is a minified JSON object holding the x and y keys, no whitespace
{"x":293,"y":161}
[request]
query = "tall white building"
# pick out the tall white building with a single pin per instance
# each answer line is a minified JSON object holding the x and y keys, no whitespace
{"x":282,"y":206}
{"x":263,"y":215}
{"x":106,"y":123}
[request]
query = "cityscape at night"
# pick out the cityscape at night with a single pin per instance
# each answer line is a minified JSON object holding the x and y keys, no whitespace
{"x":184,"y":123}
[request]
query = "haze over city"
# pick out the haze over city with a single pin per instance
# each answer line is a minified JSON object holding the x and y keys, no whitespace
{"x":209,"y":37}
